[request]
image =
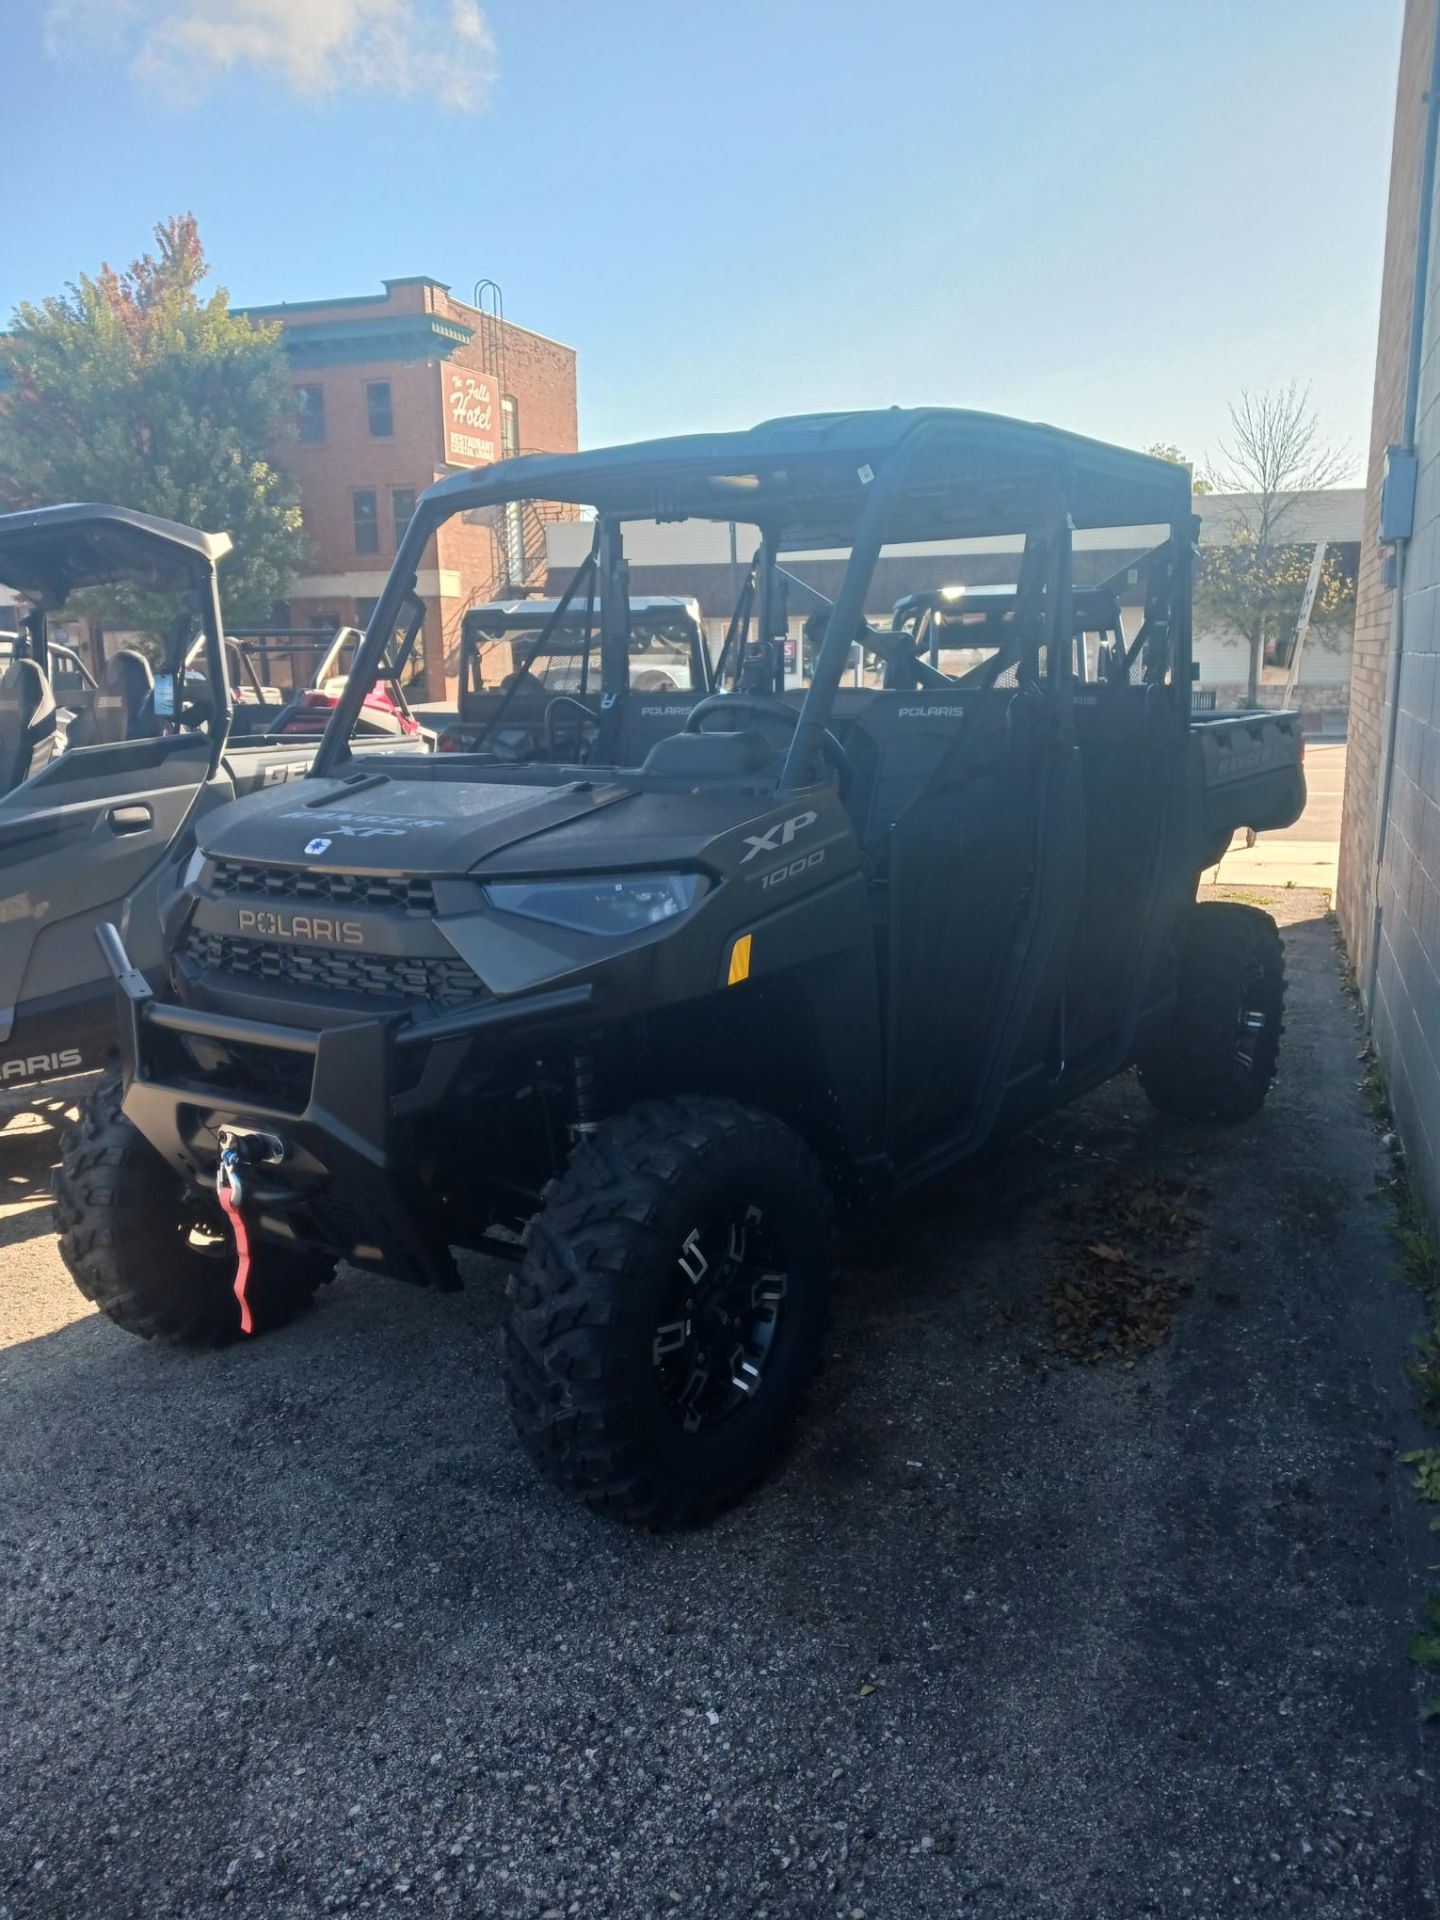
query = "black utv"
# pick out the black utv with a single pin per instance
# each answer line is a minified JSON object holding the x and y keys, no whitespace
{"x":655,"y":1007}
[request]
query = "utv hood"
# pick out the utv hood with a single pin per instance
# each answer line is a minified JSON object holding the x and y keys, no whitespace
{"x":375,"y":824}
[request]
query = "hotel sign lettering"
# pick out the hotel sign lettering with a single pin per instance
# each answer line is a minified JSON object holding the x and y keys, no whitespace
{"x":472,"y":417}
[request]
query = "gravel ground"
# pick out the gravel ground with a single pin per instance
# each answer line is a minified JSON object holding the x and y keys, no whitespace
{"x":291,"y":1630}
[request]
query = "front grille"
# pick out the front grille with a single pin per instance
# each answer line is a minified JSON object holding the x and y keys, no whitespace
{"x":401,"y":891}
{"x":443,"y":983}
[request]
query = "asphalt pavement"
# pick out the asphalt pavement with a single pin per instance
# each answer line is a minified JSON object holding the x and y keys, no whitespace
{"x":291,"y":1629}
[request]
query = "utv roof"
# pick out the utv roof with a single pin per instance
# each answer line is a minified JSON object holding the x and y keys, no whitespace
{"x":805,"y":479}
{"x":47,"y":553}
{"x":534,"y":613}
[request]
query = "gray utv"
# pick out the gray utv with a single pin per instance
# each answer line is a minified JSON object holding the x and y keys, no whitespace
{"x":90,"y":835}
{"x":655,"y":1007}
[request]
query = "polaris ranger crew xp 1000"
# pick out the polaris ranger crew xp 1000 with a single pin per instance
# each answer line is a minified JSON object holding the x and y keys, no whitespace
{"x":652,"y":1007}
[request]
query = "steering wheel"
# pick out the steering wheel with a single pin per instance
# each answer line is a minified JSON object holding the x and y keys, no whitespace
{"x":585,"y":718}
{"x":767,"y":707}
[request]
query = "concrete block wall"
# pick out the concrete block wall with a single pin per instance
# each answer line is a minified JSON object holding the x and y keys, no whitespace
{"x":1390,"y":912}
{"x":1355,"y":895}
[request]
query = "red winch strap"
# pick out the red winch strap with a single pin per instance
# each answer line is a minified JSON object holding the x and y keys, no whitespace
{"x":242,"y":1252}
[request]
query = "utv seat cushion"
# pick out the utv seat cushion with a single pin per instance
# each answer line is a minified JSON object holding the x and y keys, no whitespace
{"x":27,"y":719}
{"x":126,"y":690}
{"x":715,"y":756}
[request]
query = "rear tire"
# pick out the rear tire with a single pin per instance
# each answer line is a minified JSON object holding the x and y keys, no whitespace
{"x":670,"y":1309}
{"x":154,"y":1258}
{"x":1216,"y":1058}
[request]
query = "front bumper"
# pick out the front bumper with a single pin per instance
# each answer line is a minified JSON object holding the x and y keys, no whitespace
{"x":351,"y":1094}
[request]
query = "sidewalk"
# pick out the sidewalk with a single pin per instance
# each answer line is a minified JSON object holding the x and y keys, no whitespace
{"x":1273,"y":862}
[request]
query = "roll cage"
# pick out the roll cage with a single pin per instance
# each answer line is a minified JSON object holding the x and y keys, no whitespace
{"x":573,"y":635}
{"x":966,"y":619}
{"x":250,"y":650}
{"x":49,"y":553}
{"x":861,"y":482}
{"x":30,"y":640}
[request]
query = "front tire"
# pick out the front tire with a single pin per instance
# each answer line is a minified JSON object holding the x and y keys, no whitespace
{"x":1216,"y":1057}
{"x":157,"y":1260}
{"x":669,"y":1312}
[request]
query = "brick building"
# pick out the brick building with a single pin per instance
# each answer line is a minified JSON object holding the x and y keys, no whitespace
{"x":395,"y":390}
{"x":1388,"y":897}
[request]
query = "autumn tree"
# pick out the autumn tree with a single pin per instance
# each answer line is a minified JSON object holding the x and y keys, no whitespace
{"x":1254,"y":578}
{"x":1200,"y":481}
{"x":134,"y":389}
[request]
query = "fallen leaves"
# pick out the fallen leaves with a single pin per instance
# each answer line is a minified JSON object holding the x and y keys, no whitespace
{"x":1118,"y":1287}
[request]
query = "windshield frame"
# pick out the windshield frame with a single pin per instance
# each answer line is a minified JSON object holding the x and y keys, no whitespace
{"x":985,"y":471}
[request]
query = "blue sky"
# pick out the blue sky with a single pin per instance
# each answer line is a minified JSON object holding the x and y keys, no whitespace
{"x":1108,"y":215}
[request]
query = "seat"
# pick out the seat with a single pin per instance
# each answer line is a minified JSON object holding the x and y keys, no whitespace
{"x":126,"y":696}
{"x":27,"y":722}
{"x":711,"y":756}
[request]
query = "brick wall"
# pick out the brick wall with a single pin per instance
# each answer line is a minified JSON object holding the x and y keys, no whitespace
{"x":350,"y":457}
{"x":540,"y":377}
{"x":1355,"y":896}
{"x":1405,"y":888}
{"x":464,"y":557}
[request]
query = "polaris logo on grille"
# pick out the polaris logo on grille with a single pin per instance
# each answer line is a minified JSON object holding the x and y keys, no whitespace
{"x":301,"y":926}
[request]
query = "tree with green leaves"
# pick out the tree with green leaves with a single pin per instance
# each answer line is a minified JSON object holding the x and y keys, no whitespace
{"x":133,"y":388}
{"x":1253,"y":578}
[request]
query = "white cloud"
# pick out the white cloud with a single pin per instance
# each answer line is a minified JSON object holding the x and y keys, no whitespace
{"x":441,"y":48}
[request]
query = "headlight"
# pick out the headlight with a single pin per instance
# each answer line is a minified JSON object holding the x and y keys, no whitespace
{"x":612,"y":903}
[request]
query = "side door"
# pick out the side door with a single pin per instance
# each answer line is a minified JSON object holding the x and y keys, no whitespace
{"x":76,"y":842}
{"x":977,"y":874}
{"x":1133,"y":770}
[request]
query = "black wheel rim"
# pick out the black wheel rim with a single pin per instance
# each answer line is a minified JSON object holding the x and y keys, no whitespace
{"x":1251,"y":1018}
{"x":716,"y":1335}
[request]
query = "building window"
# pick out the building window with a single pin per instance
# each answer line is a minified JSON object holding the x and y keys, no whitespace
{"x":402,"y":507}
{"x":312,"y":415}
{"x":377,"y":409}
{"x":367,"y":520}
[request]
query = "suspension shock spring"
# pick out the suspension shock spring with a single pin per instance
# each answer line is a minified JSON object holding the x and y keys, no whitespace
{"x":585,"y":1092}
